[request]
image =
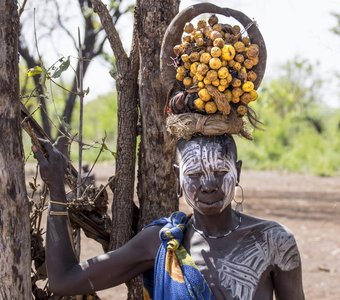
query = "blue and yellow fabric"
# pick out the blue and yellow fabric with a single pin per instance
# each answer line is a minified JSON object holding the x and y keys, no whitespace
{"x":175,"y":275}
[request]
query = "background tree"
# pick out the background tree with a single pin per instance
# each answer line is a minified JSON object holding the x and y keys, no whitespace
{"x":14,"y":214}
{"x":93,"y":42}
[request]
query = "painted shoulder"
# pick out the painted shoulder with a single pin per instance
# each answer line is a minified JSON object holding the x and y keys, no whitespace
{"x":279,"y":241}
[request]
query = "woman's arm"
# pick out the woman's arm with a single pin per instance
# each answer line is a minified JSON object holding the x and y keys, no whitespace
{"x":66,"y":275}
{"x":287,"y":276}
{"x":288,"y":284}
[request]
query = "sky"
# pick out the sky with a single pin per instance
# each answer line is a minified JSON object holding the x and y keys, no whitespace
{"x":299,"y":28}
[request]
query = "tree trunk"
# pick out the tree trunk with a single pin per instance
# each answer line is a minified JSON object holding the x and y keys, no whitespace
{"x":156,"y":179}
{"x":15,"y":259}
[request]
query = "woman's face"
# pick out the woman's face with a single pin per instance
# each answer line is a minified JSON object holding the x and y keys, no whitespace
{"x":208,"y":176}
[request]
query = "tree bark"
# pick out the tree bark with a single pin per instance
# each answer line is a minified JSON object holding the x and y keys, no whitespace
{"x":123,"y":188}
{"x":156,"y":179}
{"x":15,"y":259}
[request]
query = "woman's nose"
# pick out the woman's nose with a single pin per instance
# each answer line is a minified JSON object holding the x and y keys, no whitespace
{"x":209,"y":184}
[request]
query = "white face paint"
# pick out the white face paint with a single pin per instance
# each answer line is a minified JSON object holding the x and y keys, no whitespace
{"x":206,"y":169}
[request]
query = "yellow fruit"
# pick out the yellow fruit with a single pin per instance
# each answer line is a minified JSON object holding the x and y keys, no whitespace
{"x":178,"y":50}
{"x":206,"y":81}
{"x":239,"y":58}
{"x":231,"y":63}
{"x":187,"y":65}
{"x":253,"y":95}
{"x":236,"y":82}
{"x":221,"y":88}
{"x":248,"y":63}
{"x":215,"y":63}
{"x":248,"y":86}
{"x":242,"y":110}
{"x":213,"y":20}
{"x":229,"y":78}
{"x":205,"y":57}
{"x":199,"y":77}
{"x":199,"y":104}
{"x":219,"y":42}
{"x":211,"y":75}
{"x":185,"y":58}
{"x":202,"y":69}
{"x":255,"y":60}
{"x":223,"y":72}
{"x":224,"y":82}
{"x":217,"y":27}
{"x":194,"y":56}
{"x":228,"y":52}
{"x":193,"y":67}
{"x":253,"y":51}
{"x":215,"y":52}
{"x":179,"y":77}
{"x":215,"y":35}
{"x":181,"y":70}
{"x":215,"y":82}
{"x":239,"y":47}
{"x":246,"y":98}
{"x":237,"y":66}
{"x":199,"y":42}
{"x":210,"y":107}
{"x":237,"y":92}
{"x":251,"y":75}
{"x":228,"y":94}
{"x":204,"y":94}
{"x":186,"y":38}
{"x":201,"y":85}
{"x":188,"y":28}
{"x":235,"y":99}
{"x":201,"y":24}
{"x":224,"y":63}
{"x":187,"y":81}
{"x":236,"y":29}
{"x":197,"y":34}
{"x":242,"y":74}
{"x":246,"y":41}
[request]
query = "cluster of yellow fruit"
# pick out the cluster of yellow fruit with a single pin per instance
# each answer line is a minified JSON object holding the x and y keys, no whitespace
{"x":216,"y":56}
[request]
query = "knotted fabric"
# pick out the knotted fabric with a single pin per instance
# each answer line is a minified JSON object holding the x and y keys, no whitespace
{"x":175,"y":275}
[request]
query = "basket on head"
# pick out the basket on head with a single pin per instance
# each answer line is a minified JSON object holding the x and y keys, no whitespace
{"x":173,"y":36}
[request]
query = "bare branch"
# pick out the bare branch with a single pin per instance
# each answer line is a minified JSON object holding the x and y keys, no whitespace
{"x":62,"y":26}
{"x":112,"y":34}
{"x":22,"y":8}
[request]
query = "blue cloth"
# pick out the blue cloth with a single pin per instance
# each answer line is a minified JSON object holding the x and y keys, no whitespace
{"x":175,"y":274}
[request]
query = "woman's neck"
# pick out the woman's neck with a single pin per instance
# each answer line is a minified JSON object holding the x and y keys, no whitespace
{"x":216,"y":225}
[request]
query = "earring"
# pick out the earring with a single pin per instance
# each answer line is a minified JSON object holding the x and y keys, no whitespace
{"x":179,"y":190}
{"x":239,"y":204}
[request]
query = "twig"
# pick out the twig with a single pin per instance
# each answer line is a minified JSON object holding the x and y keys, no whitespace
{"x":22,"y":8}
{"x":81,"y":100}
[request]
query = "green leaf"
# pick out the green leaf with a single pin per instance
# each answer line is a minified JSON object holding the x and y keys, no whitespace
{"x":105,"y":147}
{"x":62,"y":68}
{"x":37,"y":70}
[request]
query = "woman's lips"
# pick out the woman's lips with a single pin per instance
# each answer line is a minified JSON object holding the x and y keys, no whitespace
{"x":204,"y":204}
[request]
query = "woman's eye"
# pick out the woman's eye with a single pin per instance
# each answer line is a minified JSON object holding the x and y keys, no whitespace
{"x":220,"y":172}
{"x":195,"y":175}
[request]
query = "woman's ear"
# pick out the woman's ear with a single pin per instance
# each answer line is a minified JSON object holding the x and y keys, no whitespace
{"x":179,"y":190}
{"x":176,"y":170}
{"x":238,"y":169}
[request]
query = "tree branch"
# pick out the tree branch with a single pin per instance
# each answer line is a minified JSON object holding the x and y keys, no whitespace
{"x":112,"y":34}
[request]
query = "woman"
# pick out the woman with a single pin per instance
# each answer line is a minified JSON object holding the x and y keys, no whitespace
{"x":216,"y":253}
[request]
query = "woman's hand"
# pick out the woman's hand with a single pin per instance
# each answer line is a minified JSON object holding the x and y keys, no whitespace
{"x":52,"y":165}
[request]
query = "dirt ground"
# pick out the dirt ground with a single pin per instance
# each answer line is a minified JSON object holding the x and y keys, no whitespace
{"x":308,"y":205}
